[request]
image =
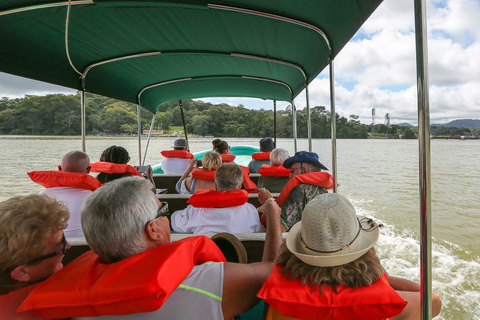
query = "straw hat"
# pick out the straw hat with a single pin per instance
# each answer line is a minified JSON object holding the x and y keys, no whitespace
{"x":330,"y":233}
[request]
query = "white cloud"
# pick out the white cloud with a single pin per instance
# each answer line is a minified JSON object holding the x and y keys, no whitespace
{"x":378,"y":69}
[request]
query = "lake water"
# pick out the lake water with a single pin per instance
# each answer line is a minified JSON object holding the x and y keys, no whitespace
{"x":380,"y":177}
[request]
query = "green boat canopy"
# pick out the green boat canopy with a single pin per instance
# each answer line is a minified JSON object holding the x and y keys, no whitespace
{"x":152,"y":52}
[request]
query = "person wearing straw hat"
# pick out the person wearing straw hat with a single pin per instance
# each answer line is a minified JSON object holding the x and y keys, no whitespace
{"x":328,"y":269}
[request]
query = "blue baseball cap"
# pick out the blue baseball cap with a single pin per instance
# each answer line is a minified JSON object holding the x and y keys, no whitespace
{"x":304,"y":156}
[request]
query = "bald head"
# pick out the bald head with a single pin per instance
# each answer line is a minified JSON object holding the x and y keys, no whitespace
{"x":75,"y":161}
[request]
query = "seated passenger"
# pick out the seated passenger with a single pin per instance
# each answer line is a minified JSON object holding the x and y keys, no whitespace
{"x":201,"y":178}
{"x":176,"y":160}
{"x":32,"y":244}
{"x":222,"y":148}
{"x":307,"y":182}
{"x":262,"y":157}
{"x":71,"y":184}
{"x":116,"y":165}
{"x":136,"y":269}
{"x":274,"y":177}
{"x":225,"y":209}
{"x":328,"y":268}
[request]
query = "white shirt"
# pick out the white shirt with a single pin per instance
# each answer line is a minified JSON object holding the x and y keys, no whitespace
{"x":73,"y":198}
{"x":239,"y":219}
{"x":174,"y":165}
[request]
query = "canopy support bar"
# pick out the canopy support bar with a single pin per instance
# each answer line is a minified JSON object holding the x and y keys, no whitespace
{"x":309,"y":120}
{"x":183,"y":121}
{"x":275,"y":123}
{"x":333,"y":121}
{"x":149,"y":135}
{"x":82,"y":110}
{"x":294,"y":119}
{"x":424,"y":158}
{"x":139,"y":122}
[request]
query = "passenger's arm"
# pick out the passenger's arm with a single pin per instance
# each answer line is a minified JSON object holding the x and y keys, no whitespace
{"x":263,"y":195}
{"x":410,"y":292}
{"x":189,"y":169}
{"x":413,"y":309}
{"x":241,"y":282}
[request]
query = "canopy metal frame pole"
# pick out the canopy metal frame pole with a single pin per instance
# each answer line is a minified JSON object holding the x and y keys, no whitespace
{"x":139,"y":124}
{"x":275,"y":123}
{"x":309,"y":120}
{"x":149,"y":136}
{"x":424,"y":158}
{"x":333,"y":122}
{"x":82,"y":110}
{"x":294,"y":119}
{"x":183,"y":121}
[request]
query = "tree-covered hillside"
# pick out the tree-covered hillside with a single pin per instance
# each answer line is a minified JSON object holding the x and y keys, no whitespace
{"x":59,"y":114}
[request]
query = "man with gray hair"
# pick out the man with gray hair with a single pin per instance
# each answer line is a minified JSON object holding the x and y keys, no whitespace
{"x":176,"y":160}
{"x":225,"y":209}
{"x":136,"y":272}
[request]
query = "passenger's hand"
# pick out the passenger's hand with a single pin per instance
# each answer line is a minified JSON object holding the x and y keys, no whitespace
{"x":190,"y":166}
{"x":263,"y":195}
{"x":149,"y":176}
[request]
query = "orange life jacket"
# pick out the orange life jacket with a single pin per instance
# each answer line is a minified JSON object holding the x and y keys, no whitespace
{"x":88,"y":287}
{"x":261,"y":155}
{"x":203,"y":174}
{"x":292,"y":299}
{"x":274,"y":171}
{"x":177,"y":154}
{"x":320,"y":179}
{"x":52,"y":179}
{"x":218,"y":199}
{"x":248,"y":184}
{"x":227,"y":157}
{"x":10,"y":302}
{"x":110,"y":167}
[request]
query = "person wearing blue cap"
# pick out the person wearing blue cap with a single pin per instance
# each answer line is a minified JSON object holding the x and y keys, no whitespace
{"x":307,"y":182}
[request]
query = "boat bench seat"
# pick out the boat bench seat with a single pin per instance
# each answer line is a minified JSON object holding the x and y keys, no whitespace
{"x":168,"y":181}
{"x":179,"y":201}
{"x":253,"y":243}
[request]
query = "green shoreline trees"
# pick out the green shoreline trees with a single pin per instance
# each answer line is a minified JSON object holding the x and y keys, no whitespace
{"x":59,"y":114}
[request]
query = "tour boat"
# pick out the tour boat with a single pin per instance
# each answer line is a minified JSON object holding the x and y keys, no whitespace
{"x":152,"y":52}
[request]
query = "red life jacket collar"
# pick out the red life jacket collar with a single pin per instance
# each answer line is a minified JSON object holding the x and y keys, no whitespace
{"x":110,"y":167}
{"x":218,"y":199}
{"x":261,"y":155}
{"x":10,"y":302}
{"x":274,"y":171}
{"x":52,"y":179}
{"x":248,"y":184}
{"x":203,"y":174}
{"x":292,"y":299}
{"x":87,"y":287}
{"x":177,"y":154}
{"x":227,"y":157}
{"x":320,"y":179}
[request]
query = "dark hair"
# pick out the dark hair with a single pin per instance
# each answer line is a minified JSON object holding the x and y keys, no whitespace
{"x":114,"y":154}
{"x":216,"y":143}
{"x":222,"y":147}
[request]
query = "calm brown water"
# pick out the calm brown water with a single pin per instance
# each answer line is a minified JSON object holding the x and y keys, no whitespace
{"x":380,"y":177}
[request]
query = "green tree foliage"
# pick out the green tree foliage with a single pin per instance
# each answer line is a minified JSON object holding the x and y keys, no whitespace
{"x":59,"y":114}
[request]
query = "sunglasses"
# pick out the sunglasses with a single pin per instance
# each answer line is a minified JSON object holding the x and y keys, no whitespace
{"x":51,"y":255}
{"x":163,"y":211}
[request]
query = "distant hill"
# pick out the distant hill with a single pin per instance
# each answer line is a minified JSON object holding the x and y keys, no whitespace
{"x":468,"y":123}
{"x":405,"y":124}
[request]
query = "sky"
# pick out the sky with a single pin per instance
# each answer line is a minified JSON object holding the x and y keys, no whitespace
{"x":377,"y":68}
